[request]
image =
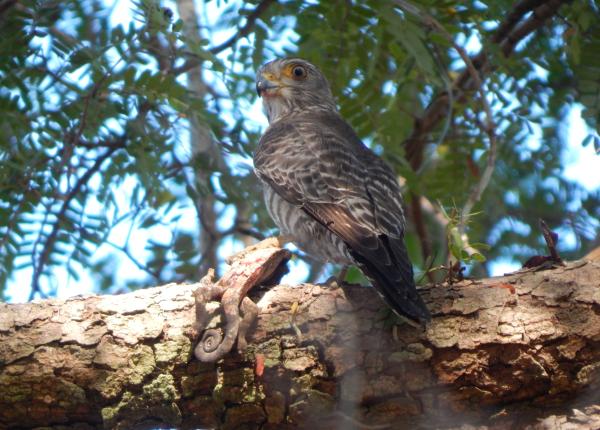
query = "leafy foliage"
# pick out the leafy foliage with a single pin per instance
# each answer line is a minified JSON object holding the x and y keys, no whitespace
{"x":95,"y":118}
{"x":586,"y":68}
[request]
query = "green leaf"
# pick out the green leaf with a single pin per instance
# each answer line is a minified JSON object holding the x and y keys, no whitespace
{"x":178,"y":26}
{"x":480,"y":258}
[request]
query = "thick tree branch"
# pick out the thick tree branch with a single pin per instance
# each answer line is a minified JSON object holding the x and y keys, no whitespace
{"x":506,"y":352}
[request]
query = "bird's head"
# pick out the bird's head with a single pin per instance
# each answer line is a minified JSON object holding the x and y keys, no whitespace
{"x":292,"y":85}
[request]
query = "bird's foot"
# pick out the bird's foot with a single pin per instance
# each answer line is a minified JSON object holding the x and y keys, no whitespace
{"x":341,"y":277}
{"x":391,"y":320}
{"x":337,"y":281}
{"x":269,"y":242}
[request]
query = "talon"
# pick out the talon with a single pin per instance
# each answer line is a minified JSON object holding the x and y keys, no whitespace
{"x":337,"y":281}
{"x":332,"y":282}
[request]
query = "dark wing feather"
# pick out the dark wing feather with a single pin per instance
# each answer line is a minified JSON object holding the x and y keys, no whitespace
{"x":317,"y":163}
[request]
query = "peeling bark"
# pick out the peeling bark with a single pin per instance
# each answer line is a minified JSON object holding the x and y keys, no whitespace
{"x":520,"y":351}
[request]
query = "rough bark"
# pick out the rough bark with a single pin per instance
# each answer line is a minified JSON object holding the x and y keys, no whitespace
{"x":520,"y":351}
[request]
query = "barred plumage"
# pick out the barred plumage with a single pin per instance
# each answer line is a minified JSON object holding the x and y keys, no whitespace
{"x":336,"y":198}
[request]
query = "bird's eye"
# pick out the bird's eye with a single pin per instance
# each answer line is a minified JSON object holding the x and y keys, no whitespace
{"x":299,"y":72}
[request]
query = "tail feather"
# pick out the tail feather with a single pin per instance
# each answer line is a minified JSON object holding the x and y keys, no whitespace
{"x":394,"y":281}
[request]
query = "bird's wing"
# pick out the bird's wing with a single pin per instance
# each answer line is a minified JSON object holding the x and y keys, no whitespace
{"x":317,"y":163}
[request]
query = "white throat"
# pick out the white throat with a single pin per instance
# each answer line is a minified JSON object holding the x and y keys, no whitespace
{"x":274,"y":108}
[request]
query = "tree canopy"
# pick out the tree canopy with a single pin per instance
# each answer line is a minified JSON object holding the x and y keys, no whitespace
{"x":134,"y":141}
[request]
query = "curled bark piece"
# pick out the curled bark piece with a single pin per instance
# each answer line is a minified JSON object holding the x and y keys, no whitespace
{"x":246,"y":271}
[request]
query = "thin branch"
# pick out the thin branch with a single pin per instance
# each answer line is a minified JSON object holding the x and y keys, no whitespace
{"x":449,"y":114}
{"x":476,"y":193}
{"x":508,"y":35}
{"x":72,"y":139}
{"x":104,"y":144}
{"x":551,"y":238}
{"x":519,"y":10}
{"x":536,"y":20}
{"x":478,"y":190}
{"x":490,"y":130}
{"x":436,"y":214}
{"x":243,"y":230}
{"x":242,"y":32}
{"x":419,"y":223}
{"x":246,"y":28}
{"x":51,"y":240}
{"x":125,"y":250}
{"x":35,"y":288}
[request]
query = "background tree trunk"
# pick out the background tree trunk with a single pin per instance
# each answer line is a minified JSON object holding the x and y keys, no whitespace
{"x":520,"y":351}
{"x":203,"y":148}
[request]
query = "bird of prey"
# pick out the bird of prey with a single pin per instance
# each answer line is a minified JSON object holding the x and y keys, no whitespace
{"x":328,"y":192}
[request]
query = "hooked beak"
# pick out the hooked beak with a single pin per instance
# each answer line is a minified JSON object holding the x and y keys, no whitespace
{"x":263,"y":85}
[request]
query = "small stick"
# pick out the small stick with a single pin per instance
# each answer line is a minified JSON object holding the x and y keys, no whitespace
{"x":551,"y":238}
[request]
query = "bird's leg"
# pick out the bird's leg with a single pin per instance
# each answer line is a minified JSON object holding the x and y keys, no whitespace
{"x":337,"y":281}
{"x":269,"y":242}
{"x":341,"y":277}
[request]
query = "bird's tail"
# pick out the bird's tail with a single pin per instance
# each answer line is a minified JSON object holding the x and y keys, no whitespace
{"x":395,"y":283}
